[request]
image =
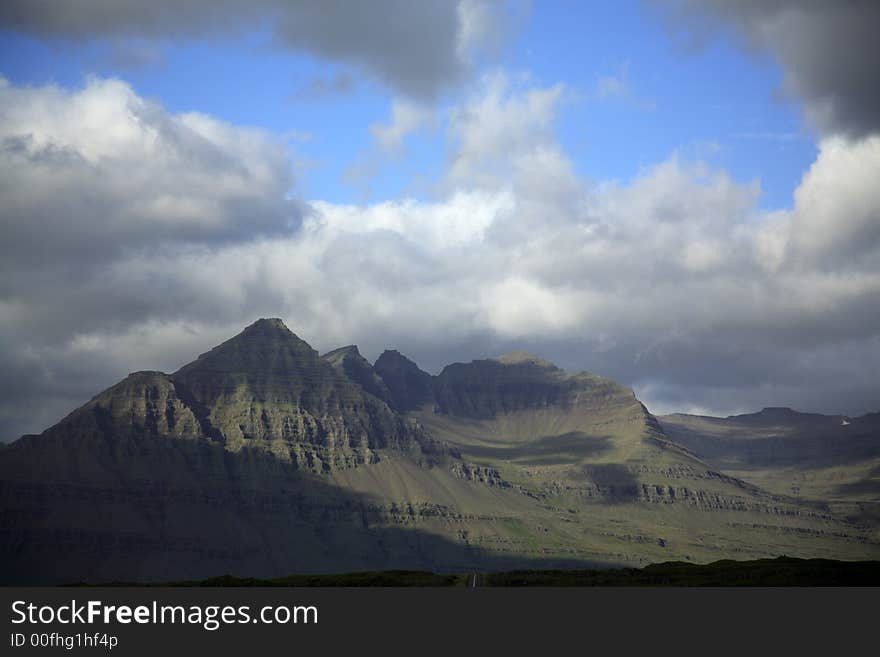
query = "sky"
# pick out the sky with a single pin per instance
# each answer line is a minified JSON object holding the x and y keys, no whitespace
{"x":680,"y":195}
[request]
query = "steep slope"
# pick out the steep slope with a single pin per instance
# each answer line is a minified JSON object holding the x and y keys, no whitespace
{"x":262,"y":458}
{"x":350,"y":363}
{"x":268,"y":388}
{"x":410,"y":388}
{"x":829,"y":458}
{"x":777,"y":438}
{"x":236,"y":463}
{"x":530,"y":403}
{"x":606,"y":475}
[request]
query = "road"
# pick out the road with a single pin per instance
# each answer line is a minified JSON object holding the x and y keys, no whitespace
{"x":474,"y":580}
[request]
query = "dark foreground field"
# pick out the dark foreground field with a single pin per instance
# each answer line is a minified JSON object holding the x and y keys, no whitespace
{"x":782,"y":571}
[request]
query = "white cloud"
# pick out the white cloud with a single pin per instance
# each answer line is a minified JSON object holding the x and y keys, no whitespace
{"x":87,"y":173}
{"x":837,"y":204}
{"x":462,"y":219}
{"x":675,"y":281}
{"x":702,"y":255}
{"x":834,"y":224}
{"x":406,"y":118}
{"x":771,"y":239}
{"x":495,"y":134}
{"x":518,"y":307}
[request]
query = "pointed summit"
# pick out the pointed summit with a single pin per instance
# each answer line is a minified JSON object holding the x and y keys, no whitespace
{"x":268,"y":322}
{"x":265,"y":350}
{"x":350,"y":363}
{"x":266,"y":328}
{"x":409,"y":386}
{"x":266,"y":383}
{"x":262,"y":458}
{"x":268,"y":386}
{"x":340,"y":354}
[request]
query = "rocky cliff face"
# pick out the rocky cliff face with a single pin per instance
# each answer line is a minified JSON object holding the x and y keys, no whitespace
{"x":268,"y":388}
{"x":777,"y":438}
{"x":263,"y":458}
{"x":832,"y":458}
{"x":409,"y":387}
{"x":351,"y":364}
{"x":516,"y":382}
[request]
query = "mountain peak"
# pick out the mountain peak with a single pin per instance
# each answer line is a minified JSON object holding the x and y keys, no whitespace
{"x":351,"y":364}
{"x":409,"y":386}
{"x":523,"y":357}
{"x":267,"y":386}
{"x":265,"y":348}
{"x":268,"y":323}
{"x":340,"y":353}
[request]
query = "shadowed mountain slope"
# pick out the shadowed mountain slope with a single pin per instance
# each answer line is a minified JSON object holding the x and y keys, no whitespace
{"x":410,"y":388}
{"x":777,"y":438}
{"x":829,"y":458}
{"x":262,"y":458}
{"x":268,"y":388}
{"x":350,"y":363}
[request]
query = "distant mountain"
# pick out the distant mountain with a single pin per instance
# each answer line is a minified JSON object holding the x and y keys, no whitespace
{"x":263,"y":458}
{"x":833,"y":459}
{"x":776,"y":437}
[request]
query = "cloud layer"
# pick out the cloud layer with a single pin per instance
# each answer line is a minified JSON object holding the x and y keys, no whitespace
{"x":418,"y":48}
{"x":139,"y":238}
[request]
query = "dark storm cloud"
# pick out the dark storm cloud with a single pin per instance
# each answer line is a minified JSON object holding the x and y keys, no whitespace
{"x":828,"y":49}
{"x":418,"y":48}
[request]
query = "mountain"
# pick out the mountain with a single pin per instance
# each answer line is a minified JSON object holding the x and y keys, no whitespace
{"x":776,"y":438}
{"x":263,"y":458}
{"x":833,"y":459}
{"x":355,"y":367}
{"x":269,"y":389}
{"x":409,"y":387}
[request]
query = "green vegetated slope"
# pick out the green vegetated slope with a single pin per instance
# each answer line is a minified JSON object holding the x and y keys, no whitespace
{"x":608,"y":484}
{"x":262,"y":458}
{"x":830,"y":460}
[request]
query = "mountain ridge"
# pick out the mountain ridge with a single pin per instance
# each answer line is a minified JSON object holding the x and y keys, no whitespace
{"x":262,"y":457}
